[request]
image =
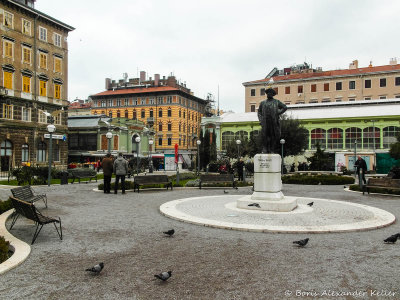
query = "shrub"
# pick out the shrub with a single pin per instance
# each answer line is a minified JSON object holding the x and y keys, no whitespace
{"x":317,"y":179}
{"x":4,"y":249}
{"x":5,"y":205}
{"x":32,"y":175}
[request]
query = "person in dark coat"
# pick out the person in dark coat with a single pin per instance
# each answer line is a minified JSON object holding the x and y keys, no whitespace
{"x":361,"y":164}
{"x":120,"y":170}
{"x":107,"y":164}
{"x":240,"y":165}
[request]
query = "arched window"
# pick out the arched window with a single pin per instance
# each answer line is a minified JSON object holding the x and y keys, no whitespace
{"x":110,"y":114}
{"x":318,"y":136}
{"x":41,"y":151}
{"x":371,"y":135}
{"x":25,"y":153}
{"x":352,"y":134}
{"x":56,"y":153}
{"x":151,"y":113}
{"x":169,"y":112}
{"x":126,"y":114}
{"x":118,"y":114}
{"x":160,"y":126}
{"x":241,"y":135}
{"x":227,"y":137}
{"x":160,"y":140}
{"x":143,"y":114}
{"x":6,"y":154}
{"x":160,"y":112}
{"x":134,"y":116}
{"x":389,"y":135}
{"x":335,"y":138}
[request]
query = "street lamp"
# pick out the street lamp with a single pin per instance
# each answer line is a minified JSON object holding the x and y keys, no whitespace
{"x":109,"y":136}
{"x":374,"y":133}
{"x":151,"y":157}
{"x":355,"y":157}
{"x":50,"y":128}
{"x":198,"y":142}
{"x":137,"y":140}
{"x":238,"y":142}
{"x":282,"y":141}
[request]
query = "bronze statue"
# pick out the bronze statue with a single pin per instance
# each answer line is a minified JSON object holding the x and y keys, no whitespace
{"x":268,"y":115}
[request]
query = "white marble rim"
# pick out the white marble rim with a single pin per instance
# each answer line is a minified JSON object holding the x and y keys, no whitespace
{"x":20,"y":248}
{"x":381,"y":219}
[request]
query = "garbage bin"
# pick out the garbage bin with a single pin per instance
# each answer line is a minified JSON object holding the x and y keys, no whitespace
{"x":64,"y":177}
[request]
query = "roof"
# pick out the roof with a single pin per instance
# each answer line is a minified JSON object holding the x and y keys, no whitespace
{"x":86,"y":121}
{"x":361,"y":109}
{"x":137,"y":91}
{"x":332,"y":73}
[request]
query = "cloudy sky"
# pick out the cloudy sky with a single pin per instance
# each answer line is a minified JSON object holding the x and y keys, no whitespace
{"x":213,"y":43}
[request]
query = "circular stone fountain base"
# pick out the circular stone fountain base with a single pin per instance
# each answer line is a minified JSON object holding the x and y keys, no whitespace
{"x":324,"y":216}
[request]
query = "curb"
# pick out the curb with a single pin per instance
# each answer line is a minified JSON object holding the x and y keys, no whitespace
{"x":20,"y":248}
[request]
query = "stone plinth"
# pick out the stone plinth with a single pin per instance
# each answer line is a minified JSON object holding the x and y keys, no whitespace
{"x":268,"y":186}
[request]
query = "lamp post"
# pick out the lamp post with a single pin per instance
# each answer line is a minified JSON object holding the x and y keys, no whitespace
{"x":238,"y":142}
{"x":50,"y":128}
{"x":198,"y":142}
{"x":137,"y":140}
{"x":151,"y":157}
{"x":374,"y":132}
{"x":282,"y":141}
{"x":355,"y":157}
{"x":109,"y":136}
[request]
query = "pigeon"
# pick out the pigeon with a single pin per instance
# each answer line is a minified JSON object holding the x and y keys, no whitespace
{"x":254,"y":204}
{"x":310,"y":204}
{"x":392,"y":239}
{"x":226,"y":192}
{"x":164,"y":275}
{"x":96,"y":269}
{"x":169,"y":232}
{"x":301,"y":243}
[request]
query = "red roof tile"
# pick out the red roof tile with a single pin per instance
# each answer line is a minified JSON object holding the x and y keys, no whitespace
{"x":137,"y":90}
{"x":345,"y":72}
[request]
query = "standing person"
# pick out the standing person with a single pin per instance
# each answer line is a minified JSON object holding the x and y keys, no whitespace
{"x":361,"y":164}
{"x":120,"y":170}
{"x":240,"y":165}
{"x":107,"y":164}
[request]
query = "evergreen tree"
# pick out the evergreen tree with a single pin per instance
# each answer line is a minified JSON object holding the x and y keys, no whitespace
{"x":395,"y":149}
{"x":320,"y":160}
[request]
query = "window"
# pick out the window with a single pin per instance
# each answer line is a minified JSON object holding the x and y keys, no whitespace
{"x":7,"y":111}
{"x":300,"y":89}
{"x":118,"y":114}
{"x":42,"y":118}
{"x":169,"y":141}
{"x":371,"y":135}
{"x":262,"y":92}
{"x":151,"y":113}
{"x":41,"y":153}
{"x":43,"y":60}
{"x":26,"y":114}
{"x":8,"y":49}
{"x":26,"y":84}
{"x":313,"y":88}
{"x":227,"y":138}
{"x":57,"y":64}
{"x":42,"y":88}
{"x":126,"y":114}
{"x":56,"y":153}
{"x":8,"y":80}
{"x":252,"y":92}
{"x":151,"y":101}
{"x":110,"y":103}
{"x":169,"y":99}
{"x":287,"y":90}
{"x":134,"y":115}
{"x":118,"y":102}
{"x":143,"y":101}
{"x":160,"y":100}
{"x":57,"y":91}
{"x":160,"y":113}
{"x":352,"y":134}
{"x":8,"y":19}
{"x":180,"y":127}
{"x":367,"y":83}
{"x":26,"y":55}
{"x":397,"y":81}
{"x":318,"y":136}
{"x":276,"y":90}
{"x":160,"y":141}
{"x":159,"y":126}
{"x":382,"y":97}
{"x":58,"y":119}
{"x":252,"y":108}
{"x":352,"y":85}
{"x":110,"y":114}
{"x":339,"y":86}
{"x":352,"y":99}
{"x":367,"y":98}
{"x":335,"y":138}
{"x":389,"y":135}
{"x":25,"y":153}
{"x":326,"y":87}
{"x":134,"y":101}
{"x":184,"y":114}
{"x":169,"y":126}
{"x":26,"y":27}
{"x":57,"y":39}
{"x":382,"y":82}
{"x":326,"y":100}
{"x":42,"y":34}
{"x":103,"y":103}
{"x":143,"y":114}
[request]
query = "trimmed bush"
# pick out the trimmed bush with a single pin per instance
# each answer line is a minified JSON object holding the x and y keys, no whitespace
{"x":4,"y":249}
{"x":317,"y":179}
{"x":5,"y":205}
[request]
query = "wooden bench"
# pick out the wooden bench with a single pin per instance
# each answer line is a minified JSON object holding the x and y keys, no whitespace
{"x":385,"y":183}
{"x":151,"y":179}
{"x":29,"y":211}
{"x":27,"y":194}
{"x":83,"y":173}
{"x":220,"y":178}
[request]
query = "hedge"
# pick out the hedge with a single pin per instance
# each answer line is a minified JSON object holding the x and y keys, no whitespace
{"x":4,"y":249}
{"x":5,"y":205}
{"x":317,"y":179}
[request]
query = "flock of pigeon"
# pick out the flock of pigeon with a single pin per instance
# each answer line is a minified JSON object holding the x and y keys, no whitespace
{"x":164,"y":276}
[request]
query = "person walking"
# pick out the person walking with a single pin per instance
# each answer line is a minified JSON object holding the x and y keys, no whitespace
{"x":120,"y":171}
{"x":361,"y":164}
{"x":108,"y":167}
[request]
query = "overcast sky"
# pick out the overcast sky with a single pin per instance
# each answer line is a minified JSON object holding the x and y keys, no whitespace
{"x":209,"y":43}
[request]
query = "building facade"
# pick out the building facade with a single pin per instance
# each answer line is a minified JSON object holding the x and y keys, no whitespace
{"x":302,"y":84}
{"x":168,"y":108}
{"x":343,"y":129}
{"x":33,"y":84}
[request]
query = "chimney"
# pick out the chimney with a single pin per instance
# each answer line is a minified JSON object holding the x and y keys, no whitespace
{"x":150,"y":78}
{"x":353,"y":65}
{"x":370,"y":64}
{"x":393,"y":61}
{"x":108,"y":83}
{"x":142,"y":76}
{"x":156,"y":79}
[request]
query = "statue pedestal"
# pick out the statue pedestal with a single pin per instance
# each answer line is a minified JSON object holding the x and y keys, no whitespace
{"x":268,"y":186}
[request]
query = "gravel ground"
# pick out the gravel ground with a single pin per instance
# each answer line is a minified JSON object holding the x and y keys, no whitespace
{"x":125,"y":232}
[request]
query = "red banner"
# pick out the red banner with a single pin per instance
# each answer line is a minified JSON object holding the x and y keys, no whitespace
{"x":176,"y":153}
